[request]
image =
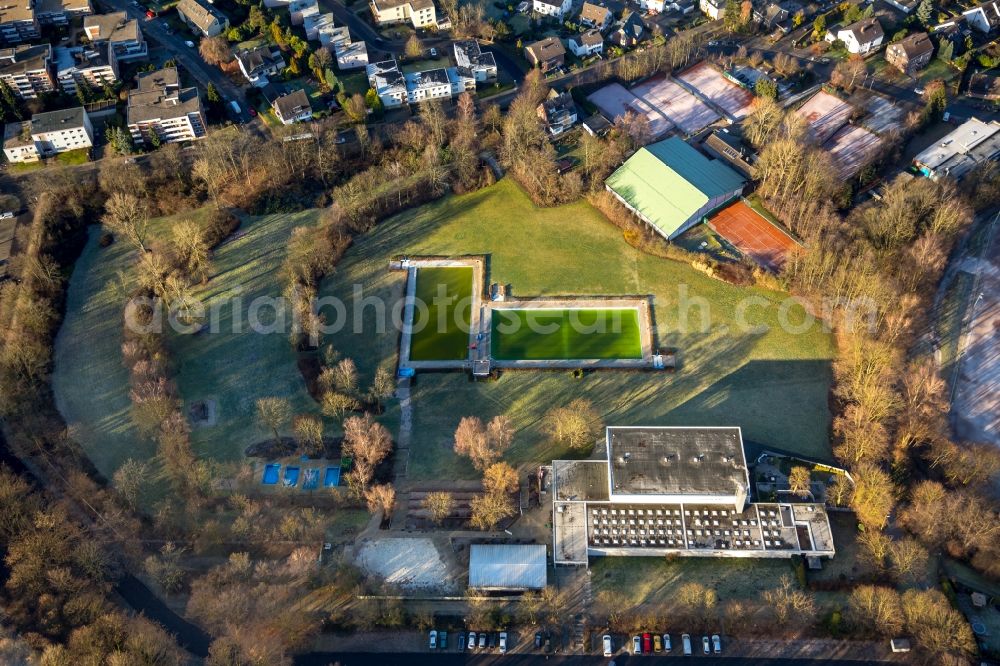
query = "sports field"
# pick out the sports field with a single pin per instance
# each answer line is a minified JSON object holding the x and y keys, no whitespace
{"x":565,"y":334}
{"x":763,"y":372}
{"x":753,"y":235}
{"x":443,"y":334}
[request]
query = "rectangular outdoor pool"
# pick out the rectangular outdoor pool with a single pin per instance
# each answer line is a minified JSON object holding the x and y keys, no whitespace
{"x":272,"y":471}
{"x":565,"y":334}
{"x":442,"y":313}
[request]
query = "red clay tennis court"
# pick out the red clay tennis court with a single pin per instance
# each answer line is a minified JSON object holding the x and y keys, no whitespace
{"x":753,"y":235}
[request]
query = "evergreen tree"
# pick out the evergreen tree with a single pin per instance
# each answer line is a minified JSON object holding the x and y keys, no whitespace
{"x":946,"y":51}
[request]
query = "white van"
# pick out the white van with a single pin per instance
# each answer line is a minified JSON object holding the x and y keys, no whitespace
{"x":686,"y":642}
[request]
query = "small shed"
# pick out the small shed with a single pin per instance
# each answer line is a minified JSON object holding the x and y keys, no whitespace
{"x":507,"y":567}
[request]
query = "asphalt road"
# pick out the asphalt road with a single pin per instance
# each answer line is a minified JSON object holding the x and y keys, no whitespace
{"x":443,"y":659}
{"x":185,"y":55}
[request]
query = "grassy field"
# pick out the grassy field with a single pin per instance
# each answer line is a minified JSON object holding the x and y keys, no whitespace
{"x":577,"y":334}
{"x":227,"y":365}
{"x":445,"y":333}
{"x":752,"y":371}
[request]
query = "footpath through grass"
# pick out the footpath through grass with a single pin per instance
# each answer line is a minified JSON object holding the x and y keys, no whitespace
{"x":748,"y":357}
{"x":565,"y":334}
{"x":443,"y":335}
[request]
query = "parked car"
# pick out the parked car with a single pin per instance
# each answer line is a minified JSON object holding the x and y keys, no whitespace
{"x":666,"y":643}
{"x":918,"y":90}
{"x":490,"y":640}
{"x":716,"y":644}
{"x":637,"y":644}
{"x":6,"y":215}
{"x":538,"y":640}
{"x":657,"y":643}
{"x":548,"y":643}
{"x":704,"y":644}
{"x":252,"y":111}
{"x":482,"y":640}
{"x":443,"y":640}
{"x":434,"y":639}
{"x":461,"y":642}
{"x":472,"y":640}
{"x":188,"y":43}
{"x":686,"y":642}
{"x":647,"y":643}
{"x":608,"y":647}
{"x":434,"y":52}
{"x":503,"y":642}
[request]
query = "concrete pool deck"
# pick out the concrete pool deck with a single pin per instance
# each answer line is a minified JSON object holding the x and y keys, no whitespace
{"x":479,"y":359}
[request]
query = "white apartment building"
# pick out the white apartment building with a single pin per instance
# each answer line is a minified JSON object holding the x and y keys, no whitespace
{"x":27,"y":69}
{"x":94,"y":65}
{"x":395,"y":88}
{"x":481,"y":64}
{"x":48,"y":134}
{"x":159,"y":105}
{"x":121,"y":32}
{"x":298,"y":10}
{"x":420,"y":13}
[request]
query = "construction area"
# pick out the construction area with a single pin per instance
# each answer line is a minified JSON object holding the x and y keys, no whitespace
{"x":754,"y":235}
{"x":712,"y":85}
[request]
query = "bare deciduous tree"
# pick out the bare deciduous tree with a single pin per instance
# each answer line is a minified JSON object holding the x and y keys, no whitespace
{"x":500,"y":478}
{"x":126,"y":215}
{"x":381,"y":497}
{"x":798,"y":480}
{"x":439,"y":505}
{"x":575,"y":425}
{"x":273,"y":413}
{"x":308,"y":429}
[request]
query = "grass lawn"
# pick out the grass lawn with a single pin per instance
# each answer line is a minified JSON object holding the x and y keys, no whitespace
{"x":74,"y":157}
{"x":565,"y":334}
{"x":636,"y":581}
{"x":770,"y":379}
{"x":447,"y":294}
{"x":950,"y":318}
{"x":353,"y":81}
{"x":227,"y":366}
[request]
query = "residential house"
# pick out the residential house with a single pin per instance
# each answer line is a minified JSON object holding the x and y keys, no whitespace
{"x":420,"y":13}
{"x":259,"y":63}
{"x":94,"y":65}
{"x":596,"y":125}
{"x":350,"y":55}
{"x":910,"y":54}
{"x":59,"y":12}
{"x":481,"y":63}
{"x":586,"y":43}
{"x":159,"y":106}
{"x":546,"y":54}
{"x":48,"y":134}
{"x":27,"y":69}
{"x":629,"y":31}
{"x":769,"y":15}
{"x":202,"y":19}
{"x":659,"y":6}
{"x":985,"y":86}
{"x":985,"y":17}
{"x":298,"y":10}
{"x":555,"y":8}
{"x":861,"y":37}
{"x":18,"y":22}
{"x":293,"y":107}
{"x":596,"y":16}
{"x":321,"y":28}
{"x":121,"y":32}
{"x":959,"y":152}
{"x":905,"y":6}
{"x":558,"y":112}
{"x":714,"y":9}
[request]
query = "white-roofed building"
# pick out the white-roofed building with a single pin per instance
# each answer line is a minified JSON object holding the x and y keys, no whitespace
{"x":969,"y":145}
{"x":507,"y":567}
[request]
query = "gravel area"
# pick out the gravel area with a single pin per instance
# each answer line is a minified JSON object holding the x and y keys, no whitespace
{"x":412,"y":564}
